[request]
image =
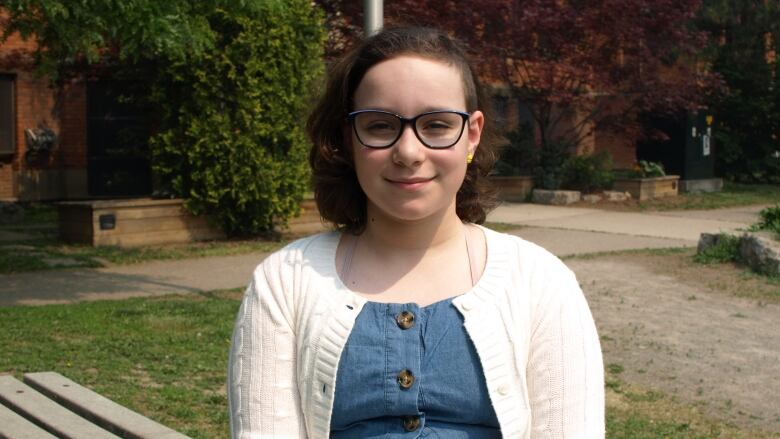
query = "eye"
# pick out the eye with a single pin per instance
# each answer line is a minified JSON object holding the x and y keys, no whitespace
{"x":437,"y":125}
{"x":379,"y":125}
{"x":443,"y":123}
{"x":376,"y":123}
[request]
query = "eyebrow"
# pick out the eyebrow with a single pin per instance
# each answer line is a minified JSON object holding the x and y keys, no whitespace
{"x":424,"y":110}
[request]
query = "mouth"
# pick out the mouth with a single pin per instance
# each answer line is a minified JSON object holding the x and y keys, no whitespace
{"x":409,"y":183}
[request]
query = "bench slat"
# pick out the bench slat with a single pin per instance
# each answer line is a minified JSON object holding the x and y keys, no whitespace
{"x":46,"y":413}
{"x":99,"y":409}
{"x":13,"y":426}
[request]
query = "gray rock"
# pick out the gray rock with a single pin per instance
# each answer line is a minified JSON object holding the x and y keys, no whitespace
{"x":707,"y":240}
{"x":702,"y":185}
{"x":761,"y":252}
{"x":616,"y":196}
{"x":544,"y":196}
{"x":591,"y":198}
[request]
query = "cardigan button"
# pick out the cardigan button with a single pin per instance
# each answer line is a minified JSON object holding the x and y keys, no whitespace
{"x":411,"y":423}
{"x":466,"y":306}
{"x":405,"y":320}
{"x":405,"y":379}
{"x":503,"y":389}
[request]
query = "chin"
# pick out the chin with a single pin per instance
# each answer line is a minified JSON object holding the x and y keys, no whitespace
{"x":409,"y":213}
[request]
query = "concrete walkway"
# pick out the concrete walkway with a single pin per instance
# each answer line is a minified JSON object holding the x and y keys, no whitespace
{"x":570,"y":231}
{"x":562,"y":230}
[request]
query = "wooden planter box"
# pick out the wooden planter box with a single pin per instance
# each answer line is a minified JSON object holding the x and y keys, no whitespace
{"x":309,"y":221}
{"x":132,"y":223}
{"x":513,"y":188}
{"x":648,"y":188}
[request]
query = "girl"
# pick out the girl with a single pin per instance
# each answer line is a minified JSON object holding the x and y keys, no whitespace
{"x":411,"y":320}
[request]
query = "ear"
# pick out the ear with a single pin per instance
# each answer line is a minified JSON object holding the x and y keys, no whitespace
{"x":475,"y":124}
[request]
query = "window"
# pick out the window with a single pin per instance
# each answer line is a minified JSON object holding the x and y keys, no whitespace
{"x":7,"y":119}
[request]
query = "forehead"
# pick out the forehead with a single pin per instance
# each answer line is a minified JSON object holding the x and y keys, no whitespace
{"x":409,"y":85}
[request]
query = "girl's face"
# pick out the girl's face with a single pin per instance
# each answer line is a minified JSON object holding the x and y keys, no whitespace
{"x":409,"y":181}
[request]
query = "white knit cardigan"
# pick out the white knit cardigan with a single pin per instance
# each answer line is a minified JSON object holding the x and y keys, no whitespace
{"x":530,"y":324}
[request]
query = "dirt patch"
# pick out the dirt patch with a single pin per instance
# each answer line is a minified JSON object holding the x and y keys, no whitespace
{"x":705,"y":334}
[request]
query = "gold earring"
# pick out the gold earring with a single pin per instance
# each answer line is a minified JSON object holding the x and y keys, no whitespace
{"x":470,"y":158}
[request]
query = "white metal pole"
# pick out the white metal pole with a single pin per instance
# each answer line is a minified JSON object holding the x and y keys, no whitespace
{"x":373,"y":16}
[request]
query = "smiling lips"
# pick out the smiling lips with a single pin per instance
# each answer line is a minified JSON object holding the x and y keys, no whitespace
{"x":409,"y":183}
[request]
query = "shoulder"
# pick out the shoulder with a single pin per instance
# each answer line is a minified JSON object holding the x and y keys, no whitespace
{"x":318,"y":250}
{"x":281,"y":277}
{"x":529,"y":272}
{"x":524,"y":255}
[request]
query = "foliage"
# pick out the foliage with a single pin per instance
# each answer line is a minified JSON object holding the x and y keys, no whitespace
{"x":588,"y":173}
{"x":647,"y":169}
{"x":519,"y":156}
{"x":234,"y":145}
{"x":577,"y":65}
{"x":745,"y":36}
{"x":227,"y":82}
{"x":769,"y":219}
{"x":725,"y":249}
{"x":73,"y":34}
{"x":549,"y":173}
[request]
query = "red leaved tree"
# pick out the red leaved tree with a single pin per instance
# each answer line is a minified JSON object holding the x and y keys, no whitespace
{"x":576,"y":65}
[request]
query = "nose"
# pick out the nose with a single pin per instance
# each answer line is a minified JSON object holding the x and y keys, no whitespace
{"x":408,"y":151}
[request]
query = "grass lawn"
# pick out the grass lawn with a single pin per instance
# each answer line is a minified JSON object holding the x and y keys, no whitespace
{"x":166,"y":358}
{"x":732,"y":195}
{"x":163,"y":357}
{"x":637,"y":413}
{"x":31,"y":244}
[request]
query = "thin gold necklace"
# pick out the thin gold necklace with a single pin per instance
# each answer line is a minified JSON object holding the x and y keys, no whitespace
{"x":346,"y":265}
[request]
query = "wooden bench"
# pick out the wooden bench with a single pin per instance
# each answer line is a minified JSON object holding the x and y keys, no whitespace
{"x":48,"y":405}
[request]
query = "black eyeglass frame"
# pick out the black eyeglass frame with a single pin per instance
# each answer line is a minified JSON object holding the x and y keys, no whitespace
{"x":413,"y":122}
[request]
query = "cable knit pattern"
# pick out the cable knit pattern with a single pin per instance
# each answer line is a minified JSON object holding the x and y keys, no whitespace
{"x":526,"y":315}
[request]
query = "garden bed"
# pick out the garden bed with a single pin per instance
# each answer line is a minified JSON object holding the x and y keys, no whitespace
{"x":649,"y":187}
{"x":132,"y":223}
{"x":513,"y":188}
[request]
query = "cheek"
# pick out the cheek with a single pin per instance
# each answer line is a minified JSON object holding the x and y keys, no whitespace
{"x":368,"y":162}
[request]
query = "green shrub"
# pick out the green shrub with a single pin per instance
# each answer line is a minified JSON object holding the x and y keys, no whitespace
{"x":588,"y":173}
{"x":645,"y":169}
{"x":548,"y":173}
{"x":519,"y":156}
{"x":726,"y":249}
{"x":231,"y":140}
{"x":769,"y":219}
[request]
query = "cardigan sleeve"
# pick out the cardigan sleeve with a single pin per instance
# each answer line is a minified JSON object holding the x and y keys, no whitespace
{"x":565,"y":367}
{"x":262,"y":389}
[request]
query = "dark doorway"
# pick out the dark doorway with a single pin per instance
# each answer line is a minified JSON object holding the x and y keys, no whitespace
{"x":681,"y":142}
{"x":117,"y":143}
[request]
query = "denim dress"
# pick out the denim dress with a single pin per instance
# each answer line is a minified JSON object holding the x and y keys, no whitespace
{"x":411,"y":372}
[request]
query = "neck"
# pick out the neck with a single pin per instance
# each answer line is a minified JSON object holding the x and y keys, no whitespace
{"x":396,"y":236}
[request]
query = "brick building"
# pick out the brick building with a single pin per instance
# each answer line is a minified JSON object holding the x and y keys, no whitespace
{"x":71,"y":141}
{"x":30,"y":109}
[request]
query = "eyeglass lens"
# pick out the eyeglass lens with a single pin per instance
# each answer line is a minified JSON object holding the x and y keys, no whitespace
{"x":378,"y":129}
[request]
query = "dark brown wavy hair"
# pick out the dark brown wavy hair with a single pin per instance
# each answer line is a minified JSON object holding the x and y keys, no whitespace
{"x":338,"y":194}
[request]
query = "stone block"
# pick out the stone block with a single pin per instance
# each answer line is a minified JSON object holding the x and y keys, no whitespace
{"x":702,"y":185}
{"x":617,"y":196}
{"x":707,"y":240}
{"x":591,"y":198}
{"x":761,"y":252}
{"x":544,"y":196}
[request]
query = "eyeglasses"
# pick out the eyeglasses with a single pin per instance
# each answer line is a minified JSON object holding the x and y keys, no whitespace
{"x":435,"y":129}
